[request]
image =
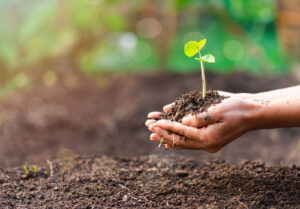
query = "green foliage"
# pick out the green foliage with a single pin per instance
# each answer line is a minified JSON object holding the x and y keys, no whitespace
{"x":31,"y":169}
{"x":209,"y":58}
{"x":193,"y":47}
{"x":90,"y":33}
{"x":25,"y":168}
{"x":34,"y":168}
{"x":252,"y":10}
{"x":187,"y":182}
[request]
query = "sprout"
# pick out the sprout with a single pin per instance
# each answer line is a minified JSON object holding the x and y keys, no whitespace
{"x":34,"y":168}
{"x":187,"y":182}
{"x":26,"y":169}
{"x":193,"y":47}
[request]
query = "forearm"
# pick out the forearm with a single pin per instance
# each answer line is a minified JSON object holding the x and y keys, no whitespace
{"x":275,"y":94}
{"x":277,"y":109}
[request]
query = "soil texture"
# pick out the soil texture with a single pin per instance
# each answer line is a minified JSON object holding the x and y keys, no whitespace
{"x":151,"y":182}
{"x":192,"y":102}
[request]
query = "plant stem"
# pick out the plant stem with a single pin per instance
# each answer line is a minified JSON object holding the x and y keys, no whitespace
{"x":203,"y":77}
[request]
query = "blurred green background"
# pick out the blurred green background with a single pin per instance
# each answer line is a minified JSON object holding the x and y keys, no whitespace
{"x":43,"y":40}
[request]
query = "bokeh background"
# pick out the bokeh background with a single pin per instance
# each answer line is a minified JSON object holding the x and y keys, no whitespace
{"x":98,"y":37}
{"x":50,"y":45}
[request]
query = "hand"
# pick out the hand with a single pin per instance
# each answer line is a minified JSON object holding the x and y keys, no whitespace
{"x":209,"y":131}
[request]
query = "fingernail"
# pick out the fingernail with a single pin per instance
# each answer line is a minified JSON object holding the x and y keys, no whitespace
{"x":152,"y":127}
{"x":149,"y":115}
{"x":148,"y":122}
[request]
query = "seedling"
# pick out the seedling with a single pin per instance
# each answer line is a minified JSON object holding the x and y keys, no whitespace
{"x":29,"y":172}
{"x":191,"y":48}
{"x":187,"y":182}
{"x":26,"y":169}
{"x":32,"y":169}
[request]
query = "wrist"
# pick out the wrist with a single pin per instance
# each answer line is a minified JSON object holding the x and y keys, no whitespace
{"x":255,"y":114}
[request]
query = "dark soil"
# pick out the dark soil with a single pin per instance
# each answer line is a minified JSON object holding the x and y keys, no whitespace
{"x":152,"y":181}
{"x":192,"y":102}
{"x":63,"y":122}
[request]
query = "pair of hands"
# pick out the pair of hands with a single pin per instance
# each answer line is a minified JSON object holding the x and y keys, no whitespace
{"x":210,"y":130}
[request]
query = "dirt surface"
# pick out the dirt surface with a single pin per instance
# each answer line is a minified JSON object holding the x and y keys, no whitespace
{"x":62,"y":123}
{"x":107,"y":118}
{"x":152,"y":181}
{"x":191,"y":102}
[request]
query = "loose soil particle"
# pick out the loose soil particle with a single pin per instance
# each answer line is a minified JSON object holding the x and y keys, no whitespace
{"x":152,"y":181}
{"x":192,"y":102}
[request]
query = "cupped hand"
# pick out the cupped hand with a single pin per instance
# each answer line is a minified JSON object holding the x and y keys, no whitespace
{"x":210,"y":130}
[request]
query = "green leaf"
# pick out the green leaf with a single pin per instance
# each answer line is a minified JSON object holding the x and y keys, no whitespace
{"x":209,"y":58}
{"x":192,"y":47}
{"x":25,"y":168}
{"x":186,"y":182}
{"x":201,"y":44}
{"x":35,"y":168}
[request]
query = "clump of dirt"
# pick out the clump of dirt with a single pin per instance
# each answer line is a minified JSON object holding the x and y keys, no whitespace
{"x":192,"y":102}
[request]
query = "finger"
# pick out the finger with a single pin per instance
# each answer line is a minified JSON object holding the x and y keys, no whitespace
{"x":175,"y":140}
{"x":200,"y":119}
{"x":155,"y":137}
{"x":170,"y":139}
{"x":149,"y":122}
{"x":158,"y":138}
{"x":170,"y":147}
{"x":226,"y":94}
{"x":168,"y":107}
{"x":189,"y":132}
{"x":154,"y":115}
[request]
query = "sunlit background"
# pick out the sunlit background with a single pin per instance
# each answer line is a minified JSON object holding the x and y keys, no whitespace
{"x":44,"y":40}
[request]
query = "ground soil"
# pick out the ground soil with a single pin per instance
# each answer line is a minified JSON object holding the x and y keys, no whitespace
{"x":191,"y":103}
{"x":106,"y":118}
{"x":151,"y":182}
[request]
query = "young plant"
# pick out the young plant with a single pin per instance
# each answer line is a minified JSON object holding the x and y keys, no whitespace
{"x":32,"y":169}
{"x":193,"y":47}
{"x":29,"y":172}
{"x":26,"y":169}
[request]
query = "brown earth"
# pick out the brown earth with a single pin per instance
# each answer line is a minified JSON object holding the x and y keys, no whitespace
{"x":191,"y":102}
{"x":108,"y":121}
{"x":152,"y":182}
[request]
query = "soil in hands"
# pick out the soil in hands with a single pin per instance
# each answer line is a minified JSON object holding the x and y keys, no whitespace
{"x":192,"y":102}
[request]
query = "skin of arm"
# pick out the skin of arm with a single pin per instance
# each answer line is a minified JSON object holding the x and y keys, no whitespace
{"x":224,"y":122}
